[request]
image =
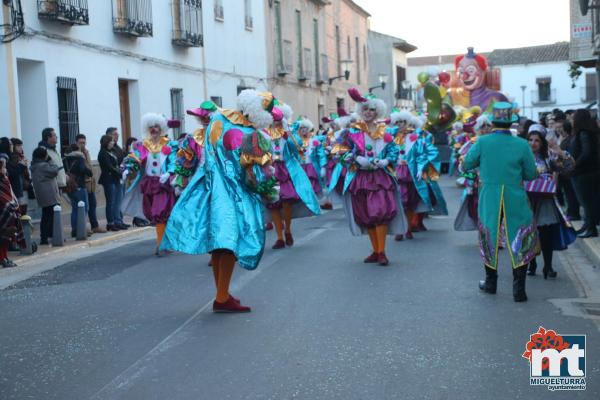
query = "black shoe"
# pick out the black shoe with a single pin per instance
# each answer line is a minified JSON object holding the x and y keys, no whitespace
{"x":6,"y":263}
{"x":44,"y":242}
{"x":581,"y":230}
{"x":127,"y":226}
{"x":140,"y":223}
{"x":519,"y":276}
{"x":588,"y":233}
{"x":532,"y":267}
{"x":490,"y":283}
{"x":73,"y":234}
{"x":123,"y":227}
{"x":549,"y":272}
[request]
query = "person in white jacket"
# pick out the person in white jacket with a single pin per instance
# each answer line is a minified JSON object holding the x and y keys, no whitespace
{"x":50,"y":141}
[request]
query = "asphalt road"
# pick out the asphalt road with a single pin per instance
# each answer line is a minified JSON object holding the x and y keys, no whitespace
{"x":126,"y":325}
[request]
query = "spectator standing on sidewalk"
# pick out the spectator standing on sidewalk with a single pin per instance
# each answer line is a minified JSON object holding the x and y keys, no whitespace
{"x":120,"y":154}
{"x":18,"y":173}
{"x":50,"y":141}
{"x":565,"y":184}
{"x":11,"y":231}
{"x":43,"y":177}
{"x":77,"y":174}
{"x":90,"y":185}
{"x":110,"y":179}
{"x":586,"y":175}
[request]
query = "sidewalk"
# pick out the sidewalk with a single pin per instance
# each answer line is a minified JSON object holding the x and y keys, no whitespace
{"x":591,"y":246}
{"x":96,"y":239}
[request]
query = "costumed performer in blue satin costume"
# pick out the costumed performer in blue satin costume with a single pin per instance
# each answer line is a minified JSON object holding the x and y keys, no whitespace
{"x":221,"y":210}
{"x":296,"y":196}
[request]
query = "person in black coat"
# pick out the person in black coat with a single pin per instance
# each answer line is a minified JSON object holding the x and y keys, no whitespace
{"x":110,"y":179}
{"x":586,"y":175}
{"x":77,"y":172}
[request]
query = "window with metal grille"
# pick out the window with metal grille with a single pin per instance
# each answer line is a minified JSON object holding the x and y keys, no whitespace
{"x":281,"y":68}
{"x":187,"y":23}
{"x":299,"y":46}
{"x":358,"y":71}
{"x":177,"y":111}
{"x":68,"y":111}
{"x":73,"y":12}
{"x":338,"y":50}
{"x":316,"y":44}
{"x":248,"y":22}
{"x":14,"y":24}
{"x":132,"y":17}
{"x":219,"y":11}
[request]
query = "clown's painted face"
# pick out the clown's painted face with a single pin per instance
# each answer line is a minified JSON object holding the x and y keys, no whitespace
{"x":470,"y":74}
{"x":304,"y":132}
{"x":369,"y":114}
{"x":401,"y":124}
{"x":155,"y":131}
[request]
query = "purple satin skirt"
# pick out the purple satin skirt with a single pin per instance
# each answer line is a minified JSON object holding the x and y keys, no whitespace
{"x":313,"y":176}
{"x":408,"y":190}
{"x":373,"y":198}
{"x":158,"y":199}
{"x":287,"y":192}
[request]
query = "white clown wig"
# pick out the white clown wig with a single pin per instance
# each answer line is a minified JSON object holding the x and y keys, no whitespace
{"x":344,"y":122}
{"x":482,"y":120}
{"x":250,"y":103}
{"x":376,"y":104}
{"x":152,"y":119}
{"x":306,"y":123}
{"x":417,"y":122}
{"x":402,"y":115}
{"x":287,"y":111}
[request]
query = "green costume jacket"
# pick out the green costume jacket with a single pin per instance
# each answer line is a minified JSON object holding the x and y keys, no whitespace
{"x":504,"y":163}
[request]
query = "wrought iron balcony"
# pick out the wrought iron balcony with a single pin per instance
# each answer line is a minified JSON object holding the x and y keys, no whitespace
{"x":14,"y":26}
{"x":187,"y":23}
{"x":541,"y":98}
{"x":132,"y":17}
{"x":73,"y":12}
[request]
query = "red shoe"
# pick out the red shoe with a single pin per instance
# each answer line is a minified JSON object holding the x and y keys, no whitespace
{"x":409,"y":235}
{"x":372,"y":259}
{"x":382,"y":259}
{"x":289,"y":240}
{"x":230,"y":306}
{"x":327,"y":206}
{"x":399,"y":238}
{"x":269,"y":226}
{"x":279,"y":244}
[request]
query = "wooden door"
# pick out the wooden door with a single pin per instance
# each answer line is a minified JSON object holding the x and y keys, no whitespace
{"x":125,"y":113}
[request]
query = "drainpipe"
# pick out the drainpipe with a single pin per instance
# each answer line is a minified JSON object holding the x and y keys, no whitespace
{"x":10,"y":82}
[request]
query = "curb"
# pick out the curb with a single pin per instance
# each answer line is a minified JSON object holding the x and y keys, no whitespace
{"x":24,"y":260}
{"x":591,"y":246}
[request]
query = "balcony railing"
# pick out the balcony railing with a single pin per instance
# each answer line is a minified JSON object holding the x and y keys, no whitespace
{"x":187,"y":23}
{"x":543,"y":98}
{"x":132,"y":17}
{"x":73,"y":12}
{"x":14,"y":25}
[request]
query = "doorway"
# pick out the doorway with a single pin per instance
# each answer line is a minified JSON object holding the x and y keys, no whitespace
{"x":125,"y":109}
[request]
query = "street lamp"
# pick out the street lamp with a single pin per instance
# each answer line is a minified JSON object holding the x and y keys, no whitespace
{"x":346,"y":67}
{"x":383,"y":78}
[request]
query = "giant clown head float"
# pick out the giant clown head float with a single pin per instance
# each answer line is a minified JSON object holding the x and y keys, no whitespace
{"x":470,"y":72}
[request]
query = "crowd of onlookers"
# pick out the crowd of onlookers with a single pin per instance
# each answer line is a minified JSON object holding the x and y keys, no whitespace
{"x":51,"y":176}
{"x":577,"y":132}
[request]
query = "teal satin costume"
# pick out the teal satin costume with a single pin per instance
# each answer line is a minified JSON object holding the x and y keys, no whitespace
{"x":218,"y":209}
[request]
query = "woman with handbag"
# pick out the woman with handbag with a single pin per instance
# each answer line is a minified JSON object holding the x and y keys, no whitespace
{"x":77,"y":173}
{"x":554,"y":229}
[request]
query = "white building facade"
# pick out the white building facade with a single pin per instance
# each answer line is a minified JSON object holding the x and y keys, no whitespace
{"x":81,"y":66}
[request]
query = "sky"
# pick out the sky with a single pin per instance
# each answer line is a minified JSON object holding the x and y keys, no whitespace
{"x":439,"y":27}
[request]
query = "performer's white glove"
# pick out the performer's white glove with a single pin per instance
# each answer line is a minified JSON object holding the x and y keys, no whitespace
{"x":363,"y":161}
{"x":124,"y":175}
{"x":349,"y":157}
{"x":164,"y":177}
{"x":323,"y":173}
{"x":178,"y":191}
{"x":382,"y":163}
